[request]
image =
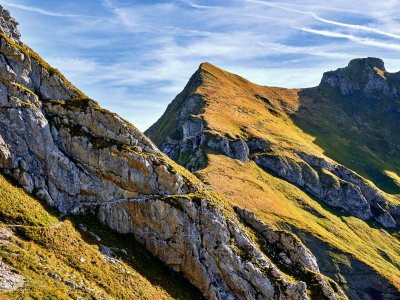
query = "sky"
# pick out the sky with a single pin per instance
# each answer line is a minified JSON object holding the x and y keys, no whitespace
{"x":133,"y":56}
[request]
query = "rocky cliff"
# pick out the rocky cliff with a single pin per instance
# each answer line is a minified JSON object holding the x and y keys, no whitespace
{"x":81,"y":159}
{"x":366,"y":76}
{"x":221,"y":114}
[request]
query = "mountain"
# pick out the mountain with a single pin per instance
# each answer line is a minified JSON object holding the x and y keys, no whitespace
{"x":319,"y":162}
{"x":90,"y":207}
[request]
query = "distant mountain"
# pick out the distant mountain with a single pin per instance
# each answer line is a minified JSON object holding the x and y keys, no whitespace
{"x":321,"y":162}
{"x":68,"y":165}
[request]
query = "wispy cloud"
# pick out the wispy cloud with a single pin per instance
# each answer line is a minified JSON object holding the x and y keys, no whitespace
{"x":360,"y":40}
{"x":195,"y":5}
{"x":356,"y":27}
{"x":327,"y":21}
{"x":143,"y":52}
{"x":40,"y":10}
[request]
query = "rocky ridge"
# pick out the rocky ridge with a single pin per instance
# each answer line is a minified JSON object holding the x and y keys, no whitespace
{"x":65,"y":149}
{"x":329,"y":181}
{"x":367,"y":76}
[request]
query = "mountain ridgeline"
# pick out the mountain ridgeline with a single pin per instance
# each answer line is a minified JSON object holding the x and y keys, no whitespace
{"x":294,"y":195}
{"x":321,"y":162}
{"x":89,"y":207}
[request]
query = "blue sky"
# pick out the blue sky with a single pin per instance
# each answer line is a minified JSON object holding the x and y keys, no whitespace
{"x":133,"y":57}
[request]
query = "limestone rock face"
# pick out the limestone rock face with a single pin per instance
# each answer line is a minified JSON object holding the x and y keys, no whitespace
{"x":366,"y":76}
{"x":9,"y":279}
{"x":333,"y":183}
{"x":197,"y":239}
{"x":80,"y":158}
{"x":289,"y":252}
{"x":188,"y":149}
{"x":9,"y":25}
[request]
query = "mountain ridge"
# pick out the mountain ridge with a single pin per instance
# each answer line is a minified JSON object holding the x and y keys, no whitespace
{"x":67,"y":151}
{"x":231,"y":130}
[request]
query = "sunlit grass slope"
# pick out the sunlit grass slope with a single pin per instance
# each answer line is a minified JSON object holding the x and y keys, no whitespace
{"x":62,"y":259}
{"x":280,"y":204}
{"x":316,"y":120}
{"x":237,"y":108}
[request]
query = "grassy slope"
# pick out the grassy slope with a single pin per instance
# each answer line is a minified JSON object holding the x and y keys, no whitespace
{"x":280,"y":203}
{"x":320,"y":126}
{"x":355,"y":131}
{"x":253,"y":110}
{"x":40,"y":243}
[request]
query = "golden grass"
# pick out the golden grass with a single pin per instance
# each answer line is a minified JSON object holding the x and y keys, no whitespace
{"x":236,"y":108}
{"x":394,"y":176}
{"x":380,"y":72}
{"x":41,"y":244}
{"x":279,"y":202}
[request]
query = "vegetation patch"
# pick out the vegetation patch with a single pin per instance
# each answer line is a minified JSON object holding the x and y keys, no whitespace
{"x":62,"y":259}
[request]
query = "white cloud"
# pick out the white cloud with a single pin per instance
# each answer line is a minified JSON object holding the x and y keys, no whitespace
{"x":143,"y":53}
{"x":40,"y":10}
{"x":327,"y":21}
{"x":360,"y":40}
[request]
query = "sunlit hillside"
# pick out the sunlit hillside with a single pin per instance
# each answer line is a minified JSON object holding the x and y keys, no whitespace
{"x":313,"y":121}
{"x":77,"y":258}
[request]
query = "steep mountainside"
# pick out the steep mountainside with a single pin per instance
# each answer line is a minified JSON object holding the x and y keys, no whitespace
{"x":320,"y":162}
{"x":82,"y":160}
{"x":75,"y":258}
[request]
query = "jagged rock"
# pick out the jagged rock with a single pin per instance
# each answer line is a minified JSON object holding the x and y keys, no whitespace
{"x":294,"y":251}
{"x":10,"y":280}
{"x":332,"y":183}
{"x":239,"y":150}
{"x":258,"y":145}
{"x":9,"y":25}
{"x":366,"y":75}
{"x":197,"y":239}
{"x":296,"y":258}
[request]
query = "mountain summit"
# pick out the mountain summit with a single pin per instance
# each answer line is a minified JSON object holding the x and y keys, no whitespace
{"x":366,"y":76}
{"x":319,"y":161}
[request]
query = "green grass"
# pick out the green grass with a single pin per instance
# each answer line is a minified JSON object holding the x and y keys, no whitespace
{"x":41,"y":244}
{"x":278,"y":202}
{"x":364,"y":138}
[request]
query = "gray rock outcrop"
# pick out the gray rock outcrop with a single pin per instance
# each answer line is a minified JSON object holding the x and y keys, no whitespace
{"x":9,"y":25}
{"x":10,"y":280}
{"x":332,"y":183}
{"x":366,"y":76}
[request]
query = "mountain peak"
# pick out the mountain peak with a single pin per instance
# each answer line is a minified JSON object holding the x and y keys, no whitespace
{"x":368,"y":63}
{"x":204,"y":66}
{"x":365,"y":76}
{"x":8,"y":25}
{"x":206,"y":69}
